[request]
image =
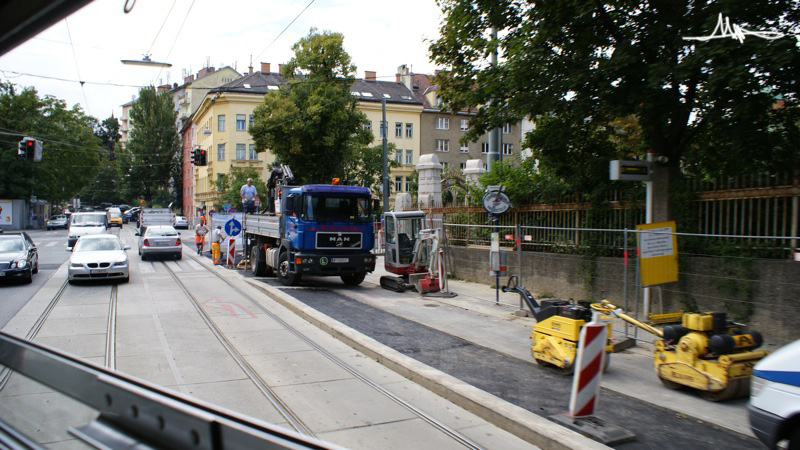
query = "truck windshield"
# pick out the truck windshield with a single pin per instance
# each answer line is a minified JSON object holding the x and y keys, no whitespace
{"x":323,"y":208}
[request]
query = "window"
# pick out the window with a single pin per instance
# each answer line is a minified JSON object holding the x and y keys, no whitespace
{"x":240,"y":152}
{"x":398,"y":156}
{"x":368,"y":125}
{"x":251,"y":120}
{"x":220,"y":182}
{"x":240,"y":122}
{"x":220,"y":152}
{"x":398,"y":184}
{"x":464,"y":124}
{"x":437,"y":101}
{"x":464,"y":148}
{"x":408,"y":184}
{"x":221,"y":122}
{"x":409,"y":157}
{"x":409,"y":130}
{"x":442,"y":145}
{"x":253,"y":154}
{"x":507,"y":149}
{"x":398,"y":129}
{"x":444,"y":166}
{"x":484,"y":147}
{"x":507,"y":128}
{"x":463,"y":165}
{"x":442,"y":123}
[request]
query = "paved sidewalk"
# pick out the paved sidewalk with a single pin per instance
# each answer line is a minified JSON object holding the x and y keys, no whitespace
{"x":474,"y":316}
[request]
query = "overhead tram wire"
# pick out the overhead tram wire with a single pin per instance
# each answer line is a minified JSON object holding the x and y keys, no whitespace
{"x":284,"y":29}
{"x":77,"y":69}
{"x":176,"y":36}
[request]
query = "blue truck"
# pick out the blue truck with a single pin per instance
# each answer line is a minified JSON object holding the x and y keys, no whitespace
{"x":316,"y":229}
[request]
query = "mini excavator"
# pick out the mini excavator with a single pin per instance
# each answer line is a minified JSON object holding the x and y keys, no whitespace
{"x":706,"y":353}
{"x":415,"y":255}
{"x":554,"y":338}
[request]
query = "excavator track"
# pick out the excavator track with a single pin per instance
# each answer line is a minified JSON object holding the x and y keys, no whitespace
{"x":395,"y":284}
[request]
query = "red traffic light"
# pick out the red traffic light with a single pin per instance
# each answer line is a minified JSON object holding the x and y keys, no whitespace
{"x":30,"y":144}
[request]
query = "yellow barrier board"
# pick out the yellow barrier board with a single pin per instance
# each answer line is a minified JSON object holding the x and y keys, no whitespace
{"x":658,"y":253}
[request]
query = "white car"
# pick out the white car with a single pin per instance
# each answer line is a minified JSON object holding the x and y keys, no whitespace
{"x":86,"y":223}
{"x":774,"y":407}
{"x":99,"y":257}
{"x":160,"y":240}
{"x":181,"y":222}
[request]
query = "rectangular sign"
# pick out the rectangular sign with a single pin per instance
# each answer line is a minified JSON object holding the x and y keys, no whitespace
{"x":629,"y":170}
{"x":658,"y":253}
{"x":6,"y":218}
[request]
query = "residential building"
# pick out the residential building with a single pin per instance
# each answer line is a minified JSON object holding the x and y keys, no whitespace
{"x":188,"y":134}
{"x":190,"y":94}
{"x":441,"y":133}
{"x":124,"y":123}
{"x":403,"y":110}
{"x":220,"y":126}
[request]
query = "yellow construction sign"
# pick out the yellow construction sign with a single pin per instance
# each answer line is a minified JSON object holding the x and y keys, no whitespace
{"x":658,"y":253}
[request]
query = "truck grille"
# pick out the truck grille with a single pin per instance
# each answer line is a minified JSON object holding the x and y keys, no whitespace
{"x":339,"y":240}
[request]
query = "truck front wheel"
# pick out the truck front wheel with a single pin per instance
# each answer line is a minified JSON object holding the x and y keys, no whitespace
{"x":285,"y":275}
{"x":354,"y":279}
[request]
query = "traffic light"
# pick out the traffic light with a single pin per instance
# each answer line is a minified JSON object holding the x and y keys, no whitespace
{"x":30,"y":149}
{"x":194,"y":157}
{"x":202,"y":159}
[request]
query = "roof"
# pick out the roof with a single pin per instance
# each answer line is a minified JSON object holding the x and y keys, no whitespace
{"x":254,"y":83}
{"x":204,"y":76}
{"x":376,"y":91}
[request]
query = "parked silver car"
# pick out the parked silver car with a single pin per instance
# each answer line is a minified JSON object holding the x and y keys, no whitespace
{"x":98,"y":256}
{"x":160,"y":240}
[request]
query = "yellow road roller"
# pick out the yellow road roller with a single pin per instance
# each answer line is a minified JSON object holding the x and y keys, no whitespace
{"x":554,"y":338}
{"x":705,"y":352}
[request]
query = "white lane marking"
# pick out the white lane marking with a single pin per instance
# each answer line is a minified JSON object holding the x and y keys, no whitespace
{"x":147,"y":267}
{"x":194,"y":265}
{"x":50,"y":244}
{"x":174,"y":266}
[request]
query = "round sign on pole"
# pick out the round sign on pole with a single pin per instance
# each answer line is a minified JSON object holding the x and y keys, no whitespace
{"x":233,"y":227}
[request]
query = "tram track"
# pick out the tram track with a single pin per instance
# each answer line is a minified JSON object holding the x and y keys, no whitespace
{"x":448,"y":431}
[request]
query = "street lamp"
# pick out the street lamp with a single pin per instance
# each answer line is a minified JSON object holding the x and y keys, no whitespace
{"x":145,"y":61}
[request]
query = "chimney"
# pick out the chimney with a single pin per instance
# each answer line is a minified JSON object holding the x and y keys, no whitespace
{"x":265,"y":67}
{"x":250,"y":69}
{"x":163,"y":88}
{"x":188,"y":78}
{"x":205,"y":71}
{"x":280,"y":69}
{"x":370,"y":75}
{"x":404,"y":76}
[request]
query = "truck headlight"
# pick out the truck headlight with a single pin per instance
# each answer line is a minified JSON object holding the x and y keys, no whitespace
{"x":756,"y":385}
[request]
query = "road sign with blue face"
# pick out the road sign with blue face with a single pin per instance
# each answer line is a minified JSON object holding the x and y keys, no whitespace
{"x":233,"y":227}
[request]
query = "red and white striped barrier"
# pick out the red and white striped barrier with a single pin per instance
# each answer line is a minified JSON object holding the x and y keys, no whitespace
{"x":588,"y":369}
{"x":231,"y":252}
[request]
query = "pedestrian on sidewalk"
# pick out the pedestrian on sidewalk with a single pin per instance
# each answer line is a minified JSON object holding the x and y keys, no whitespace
{"x":200,"y":232}
{"x":216,"y":239}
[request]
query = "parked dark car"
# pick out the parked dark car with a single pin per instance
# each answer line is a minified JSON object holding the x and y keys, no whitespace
{"x":18,"y":256}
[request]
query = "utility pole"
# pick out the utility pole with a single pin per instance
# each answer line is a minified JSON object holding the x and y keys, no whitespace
{"x":494,"y":134}
{"x":385,"y":181}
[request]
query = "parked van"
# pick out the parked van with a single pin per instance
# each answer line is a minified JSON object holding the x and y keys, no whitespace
{"x":774,"y":407}
{"x":84,"y":223}
{"x":114,"y":216}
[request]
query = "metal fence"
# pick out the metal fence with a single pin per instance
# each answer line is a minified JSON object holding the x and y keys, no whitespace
{"x":753,"y":280}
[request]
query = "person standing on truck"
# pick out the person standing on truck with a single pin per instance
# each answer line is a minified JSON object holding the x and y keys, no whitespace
{"x":249,"y":196}
{"x":200,"y":232}
{"x":216,"y":240}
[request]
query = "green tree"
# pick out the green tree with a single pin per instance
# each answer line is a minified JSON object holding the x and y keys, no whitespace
{"x":70,"y":153}
{"x":230,"y":185}
{"x":703,"y":106}
{"x":312,"y":123}
{"x":154,"y":146}
{"x":365,"y":165}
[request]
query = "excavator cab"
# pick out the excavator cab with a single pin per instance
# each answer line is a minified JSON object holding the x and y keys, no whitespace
{"x":402,"y":232}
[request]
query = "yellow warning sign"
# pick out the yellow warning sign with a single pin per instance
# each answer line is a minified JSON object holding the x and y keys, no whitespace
{"x":658,"y":253}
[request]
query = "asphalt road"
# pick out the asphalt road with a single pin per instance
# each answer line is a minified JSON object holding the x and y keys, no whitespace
{"x":538,"y":389}
{"x":14,"y":294}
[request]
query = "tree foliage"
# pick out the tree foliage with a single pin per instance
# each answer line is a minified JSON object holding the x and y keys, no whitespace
{"x":364,"y":167}
{"x":579,"y":66}
{"x":230,"y":185}
{"x":312,"y":123}
{"x":70,"y":155}
{"x":154,"y":146}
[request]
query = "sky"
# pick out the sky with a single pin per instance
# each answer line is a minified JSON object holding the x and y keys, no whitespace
{"x":379,"y":35}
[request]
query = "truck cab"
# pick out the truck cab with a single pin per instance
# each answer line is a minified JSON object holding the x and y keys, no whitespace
{"x":322,"y":230}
